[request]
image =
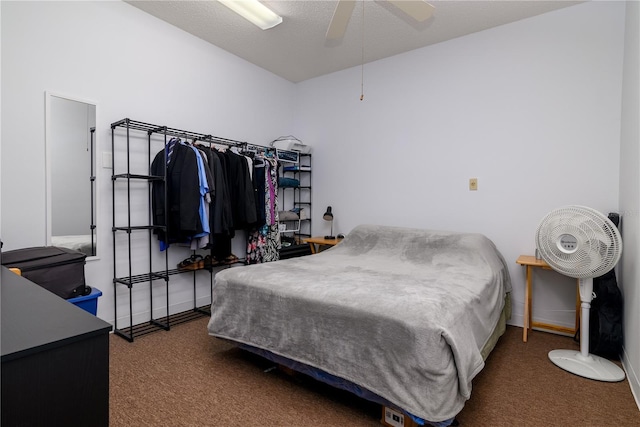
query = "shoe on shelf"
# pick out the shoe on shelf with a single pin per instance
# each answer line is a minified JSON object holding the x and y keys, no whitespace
{"x":231,"y":259}
{"x":210,"y":262}
{"x":194,"y":262}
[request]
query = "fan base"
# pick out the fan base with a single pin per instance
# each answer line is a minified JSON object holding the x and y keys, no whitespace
{"x":592,"y":367}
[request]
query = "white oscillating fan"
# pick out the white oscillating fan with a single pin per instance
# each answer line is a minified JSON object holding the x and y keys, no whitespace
{"x":581,"y":242}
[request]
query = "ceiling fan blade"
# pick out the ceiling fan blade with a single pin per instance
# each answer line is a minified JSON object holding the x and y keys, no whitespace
{"x":340,"y":19}
{"x":419,"y":10}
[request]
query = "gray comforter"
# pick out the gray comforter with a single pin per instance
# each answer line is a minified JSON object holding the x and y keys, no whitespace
{"x":401,"y":312}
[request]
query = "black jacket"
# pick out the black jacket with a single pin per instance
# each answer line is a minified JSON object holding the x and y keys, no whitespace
{"x":182,"y":217}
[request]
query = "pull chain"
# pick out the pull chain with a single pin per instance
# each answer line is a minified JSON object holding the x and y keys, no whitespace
{"x":362,"y":65}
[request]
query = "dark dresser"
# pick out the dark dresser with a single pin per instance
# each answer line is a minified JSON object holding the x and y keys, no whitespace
{"x":55,"y":359}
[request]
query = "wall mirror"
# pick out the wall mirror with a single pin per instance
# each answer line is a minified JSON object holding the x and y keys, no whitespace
{"x":71,"y":187}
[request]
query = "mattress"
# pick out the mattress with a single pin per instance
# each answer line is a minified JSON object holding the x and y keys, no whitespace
{"x":81,"y":243}
{"x":403,"y":313}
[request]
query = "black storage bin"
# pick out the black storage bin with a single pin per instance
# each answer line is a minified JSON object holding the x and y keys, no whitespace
{"x":59,"y":270}
{"x":294,"y":251}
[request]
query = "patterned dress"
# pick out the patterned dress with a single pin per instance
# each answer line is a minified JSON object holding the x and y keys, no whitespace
{"x":263,"y":243}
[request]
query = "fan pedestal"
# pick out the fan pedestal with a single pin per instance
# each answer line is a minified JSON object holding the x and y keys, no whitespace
{"x":580,"y":242}
{"x":582,"y":362}
{"x":593,"y":367}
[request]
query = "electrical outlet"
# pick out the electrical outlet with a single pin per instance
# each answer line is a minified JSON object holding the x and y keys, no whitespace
{"x":393,"y":418}
{"x":473,"y":184}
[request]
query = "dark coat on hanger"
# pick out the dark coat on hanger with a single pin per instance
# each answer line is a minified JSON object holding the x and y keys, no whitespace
{"x":243,"y":205}
{"x":183,"y":195}
{"x":258,"y":191}
{"x":220,"y":221}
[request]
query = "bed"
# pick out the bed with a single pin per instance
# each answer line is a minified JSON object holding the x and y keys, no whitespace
{"x":80,"y":242}
{"x":404,"y":317}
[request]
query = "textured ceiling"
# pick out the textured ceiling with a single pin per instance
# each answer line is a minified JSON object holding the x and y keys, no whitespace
{"x":296,"y":49}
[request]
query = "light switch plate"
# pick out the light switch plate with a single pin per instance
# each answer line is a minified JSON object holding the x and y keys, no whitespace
{"x":106,"y":160}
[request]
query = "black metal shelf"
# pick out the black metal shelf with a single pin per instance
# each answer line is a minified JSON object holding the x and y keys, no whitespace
{"x":151,"y":129}
{"x":137,"y":176}
{"x":122,"y":129}
{"x":139,"y":227}
{"x":130,"y":280}
{"x":298,"y":192}
{"x":159,"y":275}
{"x":141,"y":278}
{"x":163,"y":323}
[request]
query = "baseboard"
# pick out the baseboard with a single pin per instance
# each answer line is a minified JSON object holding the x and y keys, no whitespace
{"x":632,"y":377}
{"x":518,"y":320}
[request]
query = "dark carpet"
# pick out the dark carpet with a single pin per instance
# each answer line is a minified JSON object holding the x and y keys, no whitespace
{"x":184,"y":377}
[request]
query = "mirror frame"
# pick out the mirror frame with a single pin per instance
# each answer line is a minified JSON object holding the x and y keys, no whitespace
{"x":48,"y":167}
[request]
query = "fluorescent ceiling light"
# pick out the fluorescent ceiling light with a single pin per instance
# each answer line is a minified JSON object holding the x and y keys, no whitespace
{"x":254,"y":11}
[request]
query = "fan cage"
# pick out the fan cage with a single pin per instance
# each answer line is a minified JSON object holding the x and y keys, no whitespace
{"x":598,"y":243}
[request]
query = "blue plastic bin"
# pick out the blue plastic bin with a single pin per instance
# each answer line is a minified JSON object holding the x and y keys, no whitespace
{"x":88,"y":302}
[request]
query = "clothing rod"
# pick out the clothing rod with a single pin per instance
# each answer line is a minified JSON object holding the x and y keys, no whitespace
{"x":164,"y":130}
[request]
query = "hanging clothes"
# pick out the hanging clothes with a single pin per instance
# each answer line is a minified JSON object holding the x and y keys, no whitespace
{"x":256,"y":245}
{"x":240,"y":191}
{"x":259,"y":179}
{"x":257,"y":236}
{"x":182,"y":219}
{"x":221,"y":222}
{"x":272,"y":249}
{"x":213,"y":193}
{"x":201,"y":240}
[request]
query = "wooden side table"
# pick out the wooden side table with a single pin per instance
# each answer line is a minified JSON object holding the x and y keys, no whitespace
{"x":531,"y":262}
{"x":316,"y":242}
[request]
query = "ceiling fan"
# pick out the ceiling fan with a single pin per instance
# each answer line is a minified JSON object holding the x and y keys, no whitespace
{"x":419,"y":10}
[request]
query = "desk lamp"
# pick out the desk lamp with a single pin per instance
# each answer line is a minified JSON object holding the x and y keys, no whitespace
{"x":328,"y":216}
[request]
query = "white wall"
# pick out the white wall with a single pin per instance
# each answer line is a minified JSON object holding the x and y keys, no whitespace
{"x":132,"y":65}
{"x":531,"y":109}
{"x":630,"y":197}
{"x":0,"y":131}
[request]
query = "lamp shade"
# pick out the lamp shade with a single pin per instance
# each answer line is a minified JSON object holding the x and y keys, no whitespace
{"x":328,"y":216}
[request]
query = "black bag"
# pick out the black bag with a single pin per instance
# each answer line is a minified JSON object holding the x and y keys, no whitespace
{"x":59,"y":270}
{"x":605,"y":317}
{"x":605,"y":314}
